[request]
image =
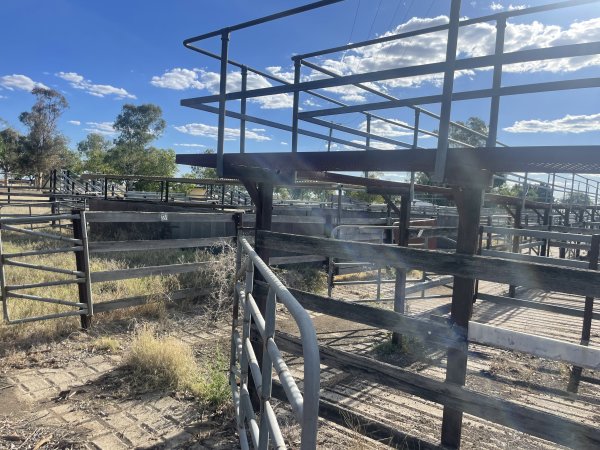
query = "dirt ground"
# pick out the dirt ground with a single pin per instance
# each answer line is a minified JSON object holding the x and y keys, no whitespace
{"x":65,"y":394}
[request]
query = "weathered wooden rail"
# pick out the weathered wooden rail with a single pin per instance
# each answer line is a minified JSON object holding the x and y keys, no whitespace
{"x":571,"y":280}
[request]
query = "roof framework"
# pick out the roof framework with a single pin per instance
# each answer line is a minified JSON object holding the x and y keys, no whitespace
{"x":452,"y":161}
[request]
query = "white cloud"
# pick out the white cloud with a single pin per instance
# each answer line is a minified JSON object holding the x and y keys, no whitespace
{"x":567,"y":124}
{"x":310,"y":102}
{"x":189,"y":145}
{"x":178,"y":79}
{"x":22,"y":82}
{"x":74,"y":122}
{"x":231,"y":134}
{"x":105,"y":128}
{"x":277,"y":71}
{"x":284,"y":143}
{"x":385,"y":129}
{"x":474,"y":40}
{"x":512,"y":7}
{"x":496,"y":6}
{"x":3,"y":97}
{"x":98,"y":90}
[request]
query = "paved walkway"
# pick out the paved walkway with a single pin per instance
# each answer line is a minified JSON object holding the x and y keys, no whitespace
{"x":83,"y":399}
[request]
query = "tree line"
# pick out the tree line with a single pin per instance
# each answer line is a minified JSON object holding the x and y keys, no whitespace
{"x":43,"y":148}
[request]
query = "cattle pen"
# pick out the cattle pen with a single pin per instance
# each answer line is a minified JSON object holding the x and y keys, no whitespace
{"x":454,"y":315}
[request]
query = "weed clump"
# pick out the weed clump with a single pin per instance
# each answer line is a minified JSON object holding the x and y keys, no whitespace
{"x":160,"y":363}
{"x":106,"y":344}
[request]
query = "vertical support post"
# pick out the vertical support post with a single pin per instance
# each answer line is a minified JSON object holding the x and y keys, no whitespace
{"x":468,"y":202}
{"x":572,"y":188}
{"x":400,"y":282}
{"x":296,"y":106}
{"x":167,"y":191}
{"x":222,"y":101}
{"x":243,"y":111}
{"x":264,"y":213}
{"x":3,"y":283}
{"x":105,"y":188}
{"x":595,"y":202}
{"x":415,"y":143}
{"x":488,"y":242}
{"x":512,"y":290}
{"x":329,"y":140}
{"x":588,"y":312}
{"x":368,"y":139}
{"x":446,"y":107}
{"x":82,"y":264}
{"x":496,"y":83}
{"x":339,"y":206}
{"x":162,"y":190}
{"x":222,"y":197}
{"x":545,"y":250}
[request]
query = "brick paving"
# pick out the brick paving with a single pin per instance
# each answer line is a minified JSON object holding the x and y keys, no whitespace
{"x":105,"y":421}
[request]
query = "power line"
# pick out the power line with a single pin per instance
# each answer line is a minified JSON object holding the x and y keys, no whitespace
{"x":354,"y":21}
{"x":374,"y":18}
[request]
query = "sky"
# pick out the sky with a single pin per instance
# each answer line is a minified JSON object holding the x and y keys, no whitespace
{"x":104,"y":54}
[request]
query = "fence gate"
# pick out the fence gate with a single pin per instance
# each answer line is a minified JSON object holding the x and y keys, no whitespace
{"x":76,"y":244}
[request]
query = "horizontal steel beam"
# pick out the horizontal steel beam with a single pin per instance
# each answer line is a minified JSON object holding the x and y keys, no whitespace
{"x":583,"y":83}
{"x":261,"y":20}
{"x":540,"y":159}
{"x":462,"y":23}
{"x":521,"y":56}
{"x":282,"y":126}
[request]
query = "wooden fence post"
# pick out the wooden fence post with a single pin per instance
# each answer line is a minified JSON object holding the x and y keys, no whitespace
{"x":545,"y":250}
{"x":512,"y":290}
{"x":400,"y":283}
{"x":83,"y":265}
{"x":468,"y":202}
{"x":588,"y":312}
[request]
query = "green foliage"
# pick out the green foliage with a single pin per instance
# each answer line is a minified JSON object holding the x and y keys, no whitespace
{"x":138,"y":125}
{"x":578,"y":198}
{"x":94,"y":149}
{"x":541,"y":193}
{"x":468,"y":137}
{"x":362,"y":196}
{"x":11,"y":144}
{"x":44,"y":146}
{"x":130,"y":154}
{"x":205,"y":172}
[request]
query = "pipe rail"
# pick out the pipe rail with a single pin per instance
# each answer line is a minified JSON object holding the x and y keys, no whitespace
{"x":305,"y":406}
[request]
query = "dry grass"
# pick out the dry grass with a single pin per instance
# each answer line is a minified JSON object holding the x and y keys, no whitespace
{"x":106,"y":344}
{"x":216,"y":276}
{"x":166,"y":363}
{"x":304,"y":278}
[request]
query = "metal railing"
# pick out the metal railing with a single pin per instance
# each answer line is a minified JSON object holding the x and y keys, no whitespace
{"x":498,"y":59}
{"x":244,"y":361}
{"x":75,"y":245}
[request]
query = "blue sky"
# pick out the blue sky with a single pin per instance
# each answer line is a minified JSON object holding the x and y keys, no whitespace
{"x":103,"y":54}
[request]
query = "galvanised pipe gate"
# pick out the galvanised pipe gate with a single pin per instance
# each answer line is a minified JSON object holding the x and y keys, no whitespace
{"x":243,"y":358}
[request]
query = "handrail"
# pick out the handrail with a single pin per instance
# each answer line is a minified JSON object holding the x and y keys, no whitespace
{"x":261,"y":20}
{"x":305,"y":406}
